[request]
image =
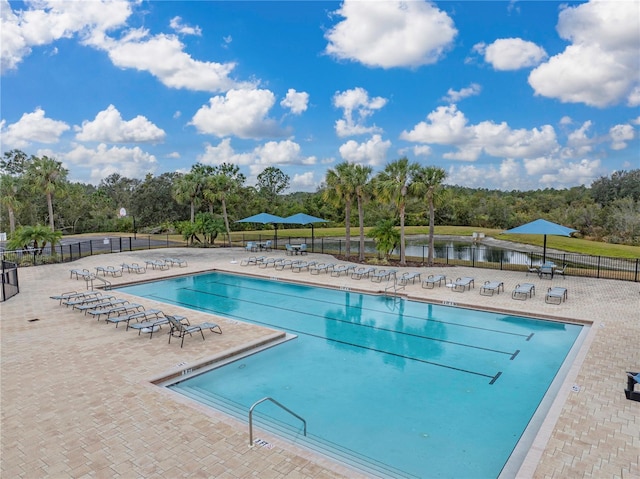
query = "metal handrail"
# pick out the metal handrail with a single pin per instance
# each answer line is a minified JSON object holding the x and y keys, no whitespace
{"x":91,"y":277}
{"x":277,"y":404}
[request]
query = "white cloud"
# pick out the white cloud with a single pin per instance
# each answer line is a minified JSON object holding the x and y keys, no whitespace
{"x":620,"y":134}
{"x":104,"y":161}
{"x":601,"y":67}
{"x":372,"y":152}
{"x":356,"y":101}
{"x":176,"y":24}
{"x":304,"y":182}
{"x":163,"y":56}
{"x":578,"y":142}
{"x":271,"y":153}
{"x":584,"y":172}
{"x":454,"y":96}
{"x":108,"y":126}
{"x":48,"y":20}
{"x":241,"y":113}
{"x":391,"y":33}
{"x":32,"y":128}
{"x":296,"y":101}
{"x":449,"y":126}
{"x":511,"y":53}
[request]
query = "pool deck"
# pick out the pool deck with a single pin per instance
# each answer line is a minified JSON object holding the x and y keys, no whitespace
{"x":77,"y":398}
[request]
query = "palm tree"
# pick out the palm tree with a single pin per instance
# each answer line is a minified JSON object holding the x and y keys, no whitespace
{"x":225,"y":182}
{"x":427,"y":181}
{"x":188,"y":189}
{"x":9,"y":186}
{"x":341,"y":189}
{"x":48,"y":175}
{"x":393,"y":185}
{"x":34,"y":237}
{"x":361,"y":176}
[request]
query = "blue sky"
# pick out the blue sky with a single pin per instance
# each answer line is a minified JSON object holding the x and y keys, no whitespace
{"x":501,"y":94}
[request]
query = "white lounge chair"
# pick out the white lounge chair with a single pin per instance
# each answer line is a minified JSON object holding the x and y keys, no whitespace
{"x":523,"y":291}
{"x":409,"y":276}
{"x":432,"y":279}
{"x":180,"y":330}
{"x":362,"y":272}
{"x":491,"y":287}
{"x":556,"y":295}
{"x":462,"y":284}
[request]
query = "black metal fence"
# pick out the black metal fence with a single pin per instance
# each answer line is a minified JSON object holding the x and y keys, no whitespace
{"x":507,"y":260}
{"x":66,"y":252}
{"x":10,"y":286}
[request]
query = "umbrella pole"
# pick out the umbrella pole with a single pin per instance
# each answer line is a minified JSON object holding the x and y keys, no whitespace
{"x":313,"y":242}
{"x":275,"y":241}
{"x":544,"y":250}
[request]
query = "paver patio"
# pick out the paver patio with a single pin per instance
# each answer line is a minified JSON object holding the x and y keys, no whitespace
{"x":77,"y":398}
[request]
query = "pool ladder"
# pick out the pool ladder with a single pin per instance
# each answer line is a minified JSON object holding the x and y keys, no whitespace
{"x":90,"y":278}
{"x":277,"y":404}
{"x":394,"y":286}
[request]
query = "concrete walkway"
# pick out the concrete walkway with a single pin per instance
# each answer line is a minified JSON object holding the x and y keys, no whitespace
{"x":77,"y":398}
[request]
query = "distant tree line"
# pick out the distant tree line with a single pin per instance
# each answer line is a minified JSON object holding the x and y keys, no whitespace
{"x":206,"y":201}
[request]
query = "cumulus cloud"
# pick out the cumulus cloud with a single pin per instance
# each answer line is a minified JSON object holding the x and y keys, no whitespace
{"x":176,"y":24}
{"x":511,"y":53}
{"x":449,"y":126}
{"x":32,"y":128}
{"x":241,"y":113}
{"x":48,"y":20}
{"x":108,"y":126}
{"x":295,"y":101}
{"x":391,"y":33}
{"x":104,"y":161}
{"x":272,"y":153}
{"x":372,"y":152}
{"x":620,"y":134}
{"x":601,"y":67}
{"x":578,"y":142}
{"x":454,"y":96}
{"x":304,"y":182}
{"x":356,"y":108}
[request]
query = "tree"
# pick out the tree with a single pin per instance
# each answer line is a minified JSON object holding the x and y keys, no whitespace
{"x":386,"y":237}
{"x":227,"y":180}
{"x":187,"y":190}
{"x":361,"y":176}
{"x":271,"y":182}
{"x":35,"y":238}
{"x":393,"y":185}
{"x":48,"y":175}
{"x":9,"y":188}
{"x":341,"y":189}
{"x":427,"y":181}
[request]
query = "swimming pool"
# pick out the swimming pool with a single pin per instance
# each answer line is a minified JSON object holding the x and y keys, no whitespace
{"x":400,"y":388}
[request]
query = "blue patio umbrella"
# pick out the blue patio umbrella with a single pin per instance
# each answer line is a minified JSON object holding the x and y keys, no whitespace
{"x":541,"y":227}
{"x":265,"y":218}
{"x":305,"y":219}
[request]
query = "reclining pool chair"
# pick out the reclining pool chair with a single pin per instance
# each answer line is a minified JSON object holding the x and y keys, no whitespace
{"x":431,"y":281}
{"x":556,"y":295}
{"x":490,"y":287}
{"x":180,"y":330}
{"x":460,"y":285}
{"x":362,"y":272}
{"x":523,"y":291}
{"x":409,"y":276}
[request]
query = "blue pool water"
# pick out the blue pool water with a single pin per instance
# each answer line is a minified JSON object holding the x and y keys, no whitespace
{"x":407,"y":388}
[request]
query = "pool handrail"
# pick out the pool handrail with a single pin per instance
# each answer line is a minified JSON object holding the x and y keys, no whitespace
{"x":277,"y":404}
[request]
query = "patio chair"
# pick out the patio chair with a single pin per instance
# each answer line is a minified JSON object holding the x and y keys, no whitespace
{"x":124,"y":308}
{"x":112,"y":270}
{"x":491,"y":287}
{"x":267,"y":262}
{"x":301,"y":265}
{"x":180,"y":330}
{"x":253,"y":260}
{"x":80,"y":273}
{"x":409,"y":276}
{"x":533,"y":269}
{"x":135,"y":267}
{"x":137,"y":315}
{"x":288,"y":250}
{"x":460,"y":285}
{"x":303,"y":248}
{"x":251,"y":247}
{"x":157,"y":264}
{"x":556,"y":295}
{"x":337,"y":271}
{"x":73,"y":295}
{"x":111,"y":303}
{"x":561,"y":271}
{"x":85,"y":300}
{"x":381,"y":274}
{"x":362,"y":272}
{"x":321,"y":268}
{"x":546,"y":270}
{"x":285,"y":263}
{"x":176,"y":261}
{"x":523,"y":291}
{"x":268,"y":245}
{"x":433,"y":279}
